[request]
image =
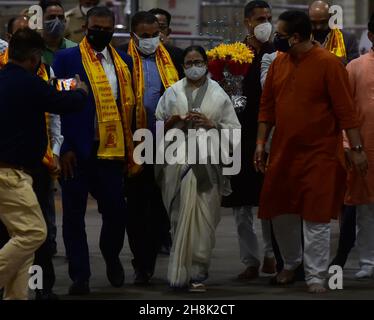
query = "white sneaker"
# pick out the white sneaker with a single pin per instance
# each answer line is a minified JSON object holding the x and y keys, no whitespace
{"x":364,"y":274}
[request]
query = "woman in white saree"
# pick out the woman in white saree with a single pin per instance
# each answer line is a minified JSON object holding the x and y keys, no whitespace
{"x":192,"y":192}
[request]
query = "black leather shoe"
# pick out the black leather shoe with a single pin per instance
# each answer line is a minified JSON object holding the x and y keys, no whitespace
{"x":45,"y":295}
{"x":79,"y":289}
{"x":142,"y":278}
{"x":115,"y":273}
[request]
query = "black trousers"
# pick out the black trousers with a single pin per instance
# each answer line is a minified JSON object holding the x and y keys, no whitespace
{"x":148,"y":223}
{"x":42,"y":184}
{"x":347,"y":236}
{"x":44,"y":255}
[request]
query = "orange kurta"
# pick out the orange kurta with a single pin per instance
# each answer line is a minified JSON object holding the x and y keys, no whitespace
{"x":310,"y":102}
{"x":361,"y":75}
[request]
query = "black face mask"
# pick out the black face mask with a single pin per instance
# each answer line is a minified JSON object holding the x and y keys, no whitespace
{"x":320,"y":35}
{"x":99,"y":39}
{"x":281,"y":44}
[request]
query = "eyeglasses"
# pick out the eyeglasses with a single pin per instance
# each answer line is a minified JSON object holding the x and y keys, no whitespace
{"x":196,"y":63}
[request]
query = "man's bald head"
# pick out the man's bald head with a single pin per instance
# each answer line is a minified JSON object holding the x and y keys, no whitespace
{"x":319,"y":16}
{"x":319,"y":10}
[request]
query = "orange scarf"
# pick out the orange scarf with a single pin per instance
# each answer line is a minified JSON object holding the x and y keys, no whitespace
{"x":114,"y":121}
{"x":168,"y":74}
{"x":42,"y":73}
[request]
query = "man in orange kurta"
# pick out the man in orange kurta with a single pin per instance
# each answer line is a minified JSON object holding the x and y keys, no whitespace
{"x":308,"y":99}
{"x":361,"y":190}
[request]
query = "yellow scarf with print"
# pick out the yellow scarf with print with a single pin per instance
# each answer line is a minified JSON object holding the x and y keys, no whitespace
{"x":335,"y":43}
{"x":43,"y":74}
{"x":4,"y":58}
{"x":168,"y":74}
{"x":113,"y":120}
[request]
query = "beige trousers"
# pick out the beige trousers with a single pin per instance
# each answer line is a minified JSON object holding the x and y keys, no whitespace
{"x":21,"y":214}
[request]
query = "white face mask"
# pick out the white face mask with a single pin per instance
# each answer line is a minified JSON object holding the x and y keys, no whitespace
{"x":148,"y":46}
{"x":195,"y":73}
{"x":85,"y":9}
{"x":263,"y":32}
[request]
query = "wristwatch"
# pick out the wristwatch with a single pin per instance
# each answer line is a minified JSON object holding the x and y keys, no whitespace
{"x":359,"y":148}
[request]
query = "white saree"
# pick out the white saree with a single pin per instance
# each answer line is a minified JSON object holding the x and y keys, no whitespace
{"x":192,"y":196}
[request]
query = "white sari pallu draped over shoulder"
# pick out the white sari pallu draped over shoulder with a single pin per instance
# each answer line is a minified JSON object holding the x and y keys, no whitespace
{"x":192,"y":192}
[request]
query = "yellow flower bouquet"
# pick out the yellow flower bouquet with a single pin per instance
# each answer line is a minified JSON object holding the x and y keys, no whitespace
{"x":235,"y":58}
{"x":228,"y":65}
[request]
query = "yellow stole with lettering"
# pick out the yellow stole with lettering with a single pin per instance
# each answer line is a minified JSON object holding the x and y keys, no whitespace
{"x":113,"y":120}
{"x":335,"y":43}
{"x":168,"y":74}
{"x":4,"y":58}
{"x":43,"y":74}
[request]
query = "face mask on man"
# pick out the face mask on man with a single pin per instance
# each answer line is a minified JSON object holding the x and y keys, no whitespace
{"x":148,"y":46}
{"x":321,"y":34}
{"x":99,"y":39}
{"x":86,"y":9}
{"x":262,"y":32}
{"x":54,"y":27}
{"x":281,"y":44}
{"x":195,"y":73}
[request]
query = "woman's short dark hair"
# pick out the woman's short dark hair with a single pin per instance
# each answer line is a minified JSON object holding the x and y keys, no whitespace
{"x":198,"y":49}
{"x":297,"y":22}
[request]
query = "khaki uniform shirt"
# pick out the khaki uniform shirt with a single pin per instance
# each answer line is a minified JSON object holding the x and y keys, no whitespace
{"x":74,"y":22}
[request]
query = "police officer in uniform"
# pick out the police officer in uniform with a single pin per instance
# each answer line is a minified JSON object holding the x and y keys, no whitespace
{"x":76,"y":19}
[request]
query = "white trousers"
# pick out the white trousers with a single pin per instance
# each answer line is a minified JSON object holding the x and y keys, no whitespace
{"x":365,"y":237}
{"x":287,"y":231}
{"x":248,"y":240}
